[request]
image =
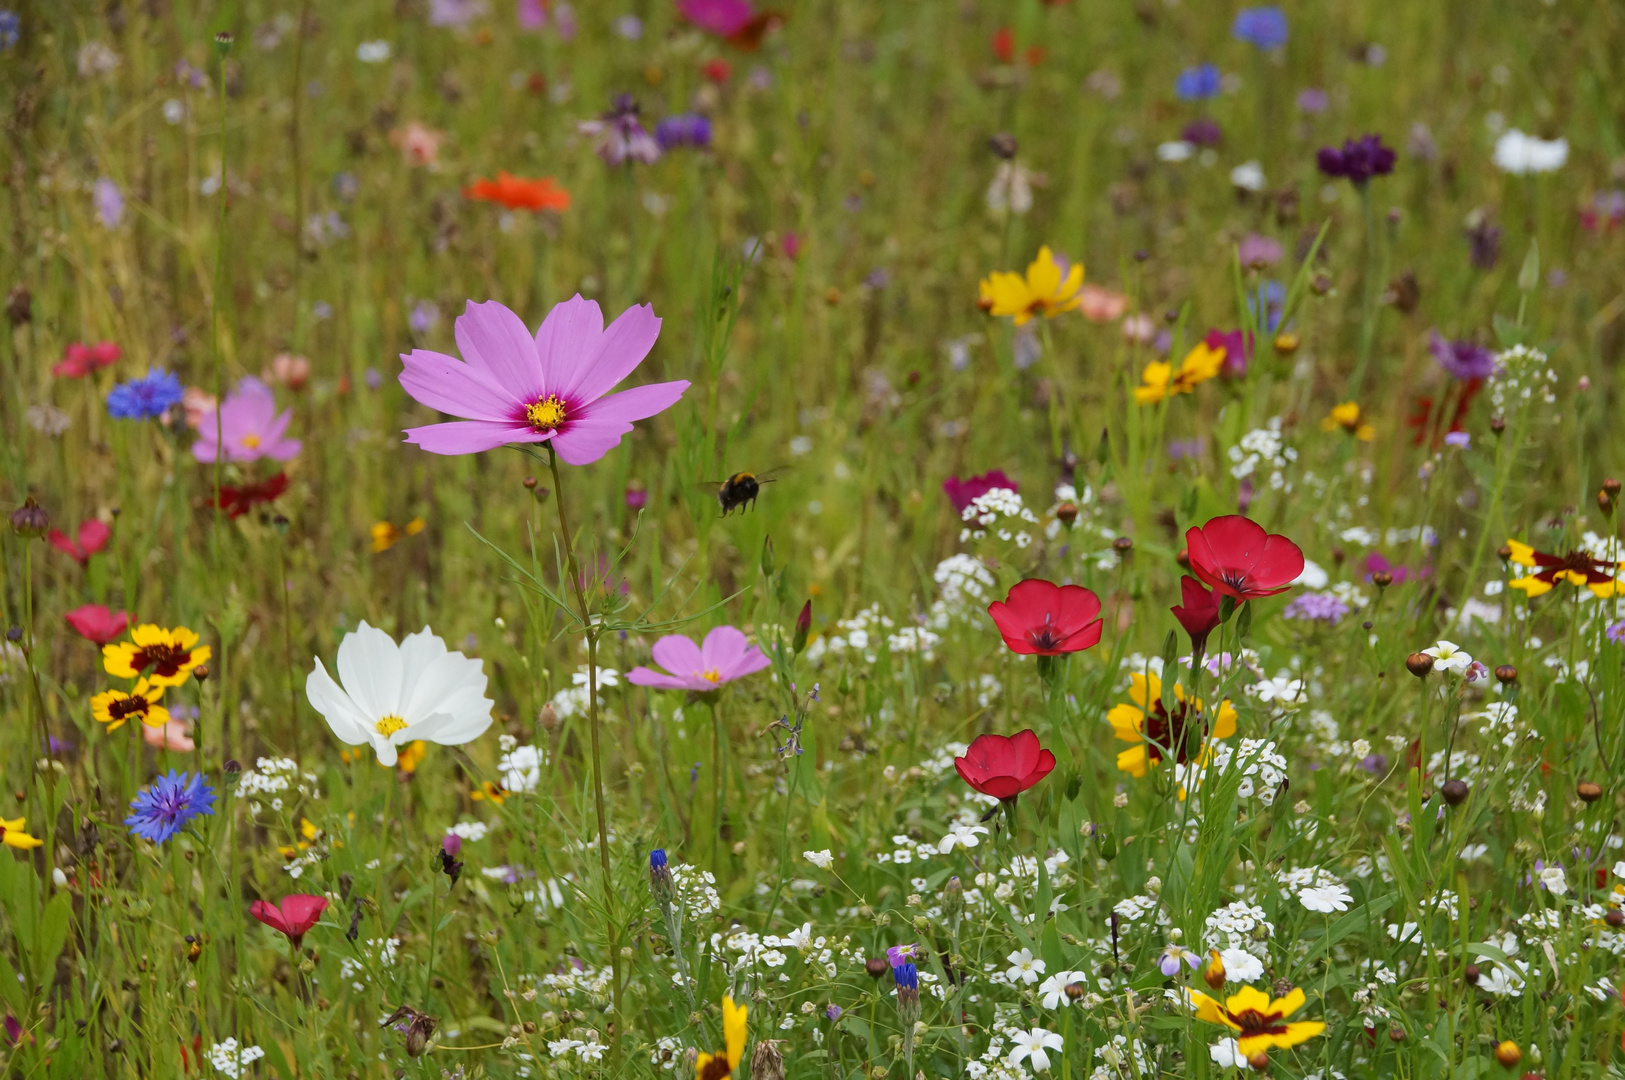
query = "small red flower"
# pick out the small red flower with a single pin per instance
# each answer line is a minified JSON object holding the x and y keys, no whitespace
{"x":1040,"y":618}
{"x":1240,"y":560}
{"x":79,"y":360}
{"x":718,"y":70}
{"x":1004,"y":44}
{"x":93,"y":536}
{"x":1199,"y":614}
{"x":1005,"y":766}
{"x":296,"y":915}
{"x":94,"y":622}
{"x":237,"y":501}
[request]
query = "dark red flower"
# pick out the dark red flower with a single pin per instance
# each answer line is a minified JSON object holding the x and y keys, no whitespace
{"x":1199,"y":614}
{"x":1004,"y":44}
{"x":237,"y":501}
{"x":94,"y":622}
{"x":718,"y":70}
{"x":1005,"y":766}
{"x":79,"y":360}
{"x":962,"y":492}
{"x":1040,"y":618}
{"x":1236,"y":557}
{"x":296,"y":915}
{"x":93,"y":536}
{"x":1422,"y":418}
{"x":1238,"y":350}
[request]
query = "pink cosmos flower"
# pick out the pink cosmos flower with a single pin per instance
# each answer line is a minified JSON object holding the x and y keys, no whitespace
{"x":1100,"y":304}
{"x":249,"y":424}
{"x":723,"y":18}
{"x":723,"y":657}
{"x":171,"y":735}
{"x":518,"y":389}
{"x":93,"y":536}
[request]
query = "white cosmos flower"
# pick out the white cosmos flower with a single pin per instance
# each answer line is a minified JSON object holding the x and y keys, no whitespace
{"x":1518,"y":153}
{"x":1034,"y":1044}
{"x":397,"y":694}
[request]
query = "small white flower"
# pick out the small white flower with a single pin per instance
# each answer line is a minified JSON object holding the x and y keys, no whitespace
{"x":1024,"y":967}
{"x":1175,"y":151}
{"x":1032,"y":1045}
{"x":960,"y":836}
{"x":1053,"y":989}
{"x":1313,"y":576}
{"x":1326,"y":898}
{"x":821,"y":859}
{"x":1518,"y":153}
{"x":1241,"y":966}
{"x":1279,"y":689}
{"x":372,"y":52}
{"x":1554,"y":881}
{"x":1226,"y":1054}
{"x":1448,"y":656}
{"x":1249,"y":176}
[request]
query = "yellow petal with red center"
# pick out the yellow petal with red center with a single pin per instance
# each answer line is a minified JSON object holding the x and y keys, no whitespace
{"x":733,"y":1030}
{"x":1289,"y":1035}
{"x":1011,"y":295}
{"x":1155,"y":376}
{"x":1248,"y":997}
{"x":1224,"y":725}
{"x":1144,"y":688}
{"x":1067,"y":296}
{"x":1127,"y":722}
{"x":1531,"y":585}
{"x":1290,"y":1004}
{"x":1044,"y":275}
{"x":1134,"y":761}
{"x":1604,"y":589}
{"x":1522,"y":554}
{"x":1209,"y":1010}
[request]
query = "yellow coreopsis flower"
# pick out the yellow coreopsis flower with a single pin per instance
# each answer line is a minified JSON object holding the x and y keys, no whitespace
{"x":1258,"y":1022}
{"x":171,"y":654}
{"x":114,"y":708}
{"x":721,"y":1066}
{"x":1044,"y":291}
{"x":1579,"y":568}
{"x":1162,"y":381}
{"x":494,"y":792}
{"x":1158,"y":733}
{"x":14,"y":833}
{"x":1347,"y":416}
{"x":386,"y":535}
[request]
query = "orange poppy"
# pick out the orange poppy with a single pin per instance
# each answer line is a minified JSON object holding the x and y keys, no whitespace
{"x":517,"y":193}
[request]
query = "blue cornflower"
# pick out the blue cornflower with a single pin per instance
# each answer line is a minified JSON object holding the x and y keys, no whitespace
{"x":146,"y":397}
{"x":1264,"y":27}
{"x":1198,"y":83}
{"x":11,"y":25}
{"x":657,"y":860}
{"x":169,"y":805}
{"x":684,"y":129}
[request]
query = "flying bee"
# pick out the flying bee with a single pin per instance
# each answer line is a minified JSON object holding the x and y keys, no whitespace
{"x":740,"y":490}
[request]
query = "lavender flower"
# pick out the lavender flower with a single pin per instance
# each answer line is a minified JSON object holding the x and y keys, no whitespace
{"x":1313,"y":100}
{"x":1462,"y":359}
{"x":1203,"y":132}
{"x":10,"y":27}
{"x":684,"y":129}
{"x":109,"y":203}
{"x":1358,"y":160}
{"x":1616,"y":632}
{"x":1316,"y":607}
{"x":621,"y":136}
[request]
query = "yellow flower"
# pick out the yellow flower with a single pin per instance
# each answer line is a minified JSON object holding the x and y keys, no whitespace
{"x":1042,"y":292}
{"x":14,"y":833}
{"x":1579,"y":568}
{"x":721,"y":1066}
{"x":115,"y":707}
{"x":1156,"y":733}
{"x":385,"y":535}
{"x":1161,"y":381}
{"x":1258,"y":1022}
{"x":487,"y":790}
{"x":171,"y":654}
{"x":307,"y":830}
{"x":1347,"y":417}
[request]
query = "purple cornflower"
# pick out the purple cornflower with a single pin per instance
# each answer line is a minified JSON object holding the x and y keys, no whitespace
{"x":833,"y":1012}
{"x":249,"y":427}
{"x":1198,"y":83}
{"x":1316,"y":607}
{"x":1313,"y":100}
{"x":145,"y":398}
{"x":1462,"y":359}
{"x":1203,"y":132}
{"x":684,"y":129}
{"x":455,"y":12}
{"x":1459,"y":439}
{"x":109,"y":203}
{"x":1257,"y":252}
{"x":169,"y":805}
{"x":1272,"y":295}
{"x":1358,"y":160}
{"x":621,"y":136}
{"x":1264,"y":27}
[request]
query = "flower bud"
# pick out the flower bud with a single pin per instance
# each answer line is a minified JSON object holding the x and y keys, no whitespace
{"x":1213,"y":975}
{"x":1396,"y":1034}
{"x":1123,"y":545}
{"x":1419,"y":664}
{"x":1259,"y":1061}
{"x":1286,"y":344}
{"x":1321,"y":283}
{"x":766,"y":1063}
{"x":30,"y":519}
{"x":1003,"y":145}
{"x":1614,"y":918}
{"x":548,"y":717}
{"x":201,"y":673}
{"x":1454,"y":792}
{"x":1507,"y":1053}
{"x":19,"y":305}
{"x":1611,"y":486}
{"x":1470,"y":974}
{"x":1506,"y":673}
{"x":1075,"y":990}
{"x":1382,"y":579}
{"x":1588,"y":790}
{"x":803,"y":628}
{"x":953,"y":904}
{"x":1498,"y":423}
{"x":876,"y":966}
{"x":1066,"y":513}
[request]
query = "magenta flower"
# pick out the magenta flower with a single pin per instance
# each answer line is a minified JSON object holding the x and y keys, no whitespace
{"x":723,"y":657}
{"x":250,"y":426}
{"x":518,"y":389}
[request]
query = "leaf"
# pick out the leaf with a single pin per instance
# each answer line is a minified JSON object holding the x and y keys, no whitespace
{"x":53,"y":934}
{"x":11,"y":987}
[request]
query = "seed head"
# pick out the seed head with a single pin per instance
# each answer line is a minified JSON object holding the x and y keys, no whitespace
{"x":1588,"y":790}
{"x":1454,"y":792}
{"x":1506,"y":673}
{"x":1507,"y":1053}
{"x":1419,"y":664}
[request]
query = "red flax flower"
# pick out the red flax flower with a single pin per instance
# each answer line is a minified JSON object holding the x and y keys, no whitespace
{"x":1005,"y":766}
{"x":94,"y":622}
{"x":296,"y":915}
{"x":1199,"y":614}
{"x":517,"y":193}
{"x":1040,"y":618}
{"x":93,"y":536}
{"x":1240,"y":560}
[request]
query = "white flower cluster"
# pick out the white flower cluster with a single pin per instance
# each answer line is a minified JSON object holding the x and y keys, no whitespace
{"x":965,"y":583}
{"x":667,"y":1052}
{"x":1239,"y":925}
{"x":521,"y":767}
{"x":857,"y":636}
{"x":561,"y":985}
{"x":1521,"y":373}
{"x":271,"y":776}
{"x":696,"y":890}
{"x":989,"y":511}
{"x":589,"y":1049}
{"x":1262,"y":769}
{"x":382,"y":951}
{"x":229,"y":1059}
{"x":573,"y":701}
{"x":1263,"y":448}
{"x":472,"y":831}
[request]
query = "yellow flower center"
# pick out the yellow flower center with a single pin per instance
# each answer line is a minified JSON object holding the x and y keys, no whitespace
{"x":251,"y":441}
{"x":546,"y":414}
{"x":390,"y":724}
{"x":713,"y":676}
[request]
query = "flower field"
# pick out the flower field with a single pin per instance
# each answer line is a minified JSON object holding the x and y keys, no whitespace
{"x":812,"y":540}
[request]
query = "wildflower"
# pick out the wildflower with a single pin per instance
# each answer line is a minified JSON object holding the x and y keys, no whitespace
{"x":1577,"y":568}
{"x":293,"y":917}
{"x":1448,"y":657}
{"x":1238,"y":559}
{"x":684,"y":129}
{"x":1012,"y":188}
{"x":1317,"y":607}
{"x":47,"y":419}
{"x":93,"y":537}
{"x":964,"y":492}
{"x":14,"y":834}
{"x":1004,"y":766}
{"x":1606,"y":212}
{"x":109,"y":202}
{"x":1161,"y":734}
{"x":1462,"y":359}
{"x":10,"y":28}
{"x":230,"y":1061}
{"x":249,"y":427}
{"x":724,"y":18}
{"x":1358,"y":160}
{"x":821,"y":859}
{"x":171,"y":654}
{"x":455,"y":12}
{"x":720,"y":1066}
{"x":1520,"y":154}
{"x":95,"y":623}
{"x":1024,"y":967}
{"x":1347,"y":416}
{"x":173,"y":736}
{"x":1161,"y":381}
{"x":145,"y":398}
{"x":1325,"y":898}
{"x":1553,"y":881}
{"x":114,"y":707}
{"x":373,"y":52}
{"x":418,"y":143}
{"x":1264,"y":27}
{"x":290,"y":370}
{"x":1033,"y":1046}
{"x":516,"y":193}
{"x":621,"y":137}
{"x":1046,"y":290}
{"x":724,"y":656}
{"x":169,"y":805}
{"x":386,"y":535}
{"x":1259,"y":1022}
{"x":549,"y":388}
{"x":79,"y":360}
{"x":1256,"y":252}
{"x":1198,"y":83}
{"x":1203,"y":131}
{"x":1313,"y":100}
{"x":1199,"y":613}
{"x":1040,"y":618}
{"x":395,"y":694}
{"x":1174,"y":955}
{"x":240,"y":499}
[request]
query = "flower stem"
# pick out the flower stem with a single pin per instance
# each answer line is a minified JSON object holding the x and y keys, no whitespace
{"x":214,"y":319}
{"x":573,"y":568}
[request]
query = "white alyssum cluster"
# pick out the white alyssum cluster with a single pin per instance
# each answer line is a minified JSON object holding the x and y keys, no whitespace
{"x":996,"y":512}
{"x":1263,"y":448}
{"x":229,"y":1059}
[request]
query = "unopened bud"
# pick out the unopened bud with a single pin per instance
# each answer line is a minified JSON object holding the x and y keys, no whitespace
{"x":547,"y":718}
{"x":1470,"y":974}
{"x":1382,"y":579}
{"x":876,"y":966}
{"x":1419,"y":664}
{"x":1454,"y":792}
{"x":1213,"y":975}
{"x":1259,"y":1061}
{"x":1321,"y":283}
{"x":1507,"y":1053}
{"x":1286,"y":344}
{"x":1588,"y":790}
{"x":201,"y":673}
{"x":1123,"y":545}
{"x":1506,"y":673}
{"x":1003,"y":145}
{"x":1066,"y":513}
{"x":30,"y":519}
{"x":1498,"y":423}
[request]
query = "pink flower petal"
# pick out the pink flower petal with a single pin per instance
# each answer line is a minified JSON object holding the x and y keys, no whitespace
{"x":471,"y":436}
{"x":567,"y":341}
{"x":638,"y":403}
{"x":494,"y":341}
{"x":642,"y":676}
{"x":585,"y":441}
{"x":620,"y":350}
{"x":679,"y":655}
{"x":446,"y":383}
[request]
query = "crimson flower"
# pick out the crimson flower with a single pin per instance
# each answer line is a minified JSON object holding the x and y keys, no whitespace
{"x":1040,"y":618}
{"x":94,"y":622}
{"x":79,"y":360}
{"x":237,"y":501}
{"x":963,"y":492}
{"x":1005,"y":766}
{"x":1199,"y":614}
{"x":296,"y":915}
{"x":93,"y":536}
{"x":1240,"y":560}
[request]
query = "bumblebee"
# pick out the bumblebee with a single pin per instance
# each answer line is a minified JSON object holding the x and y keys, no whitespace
{"x":740,"y":490}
